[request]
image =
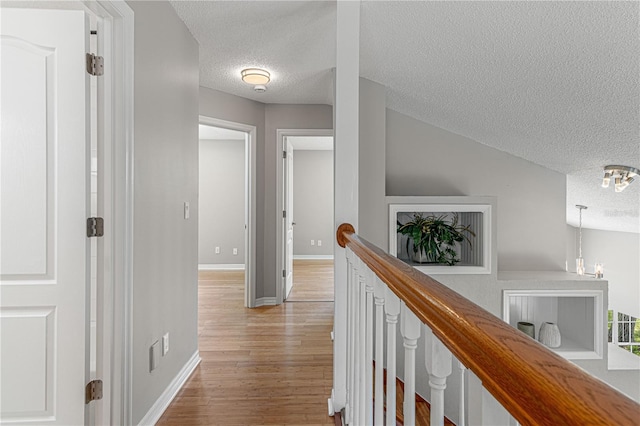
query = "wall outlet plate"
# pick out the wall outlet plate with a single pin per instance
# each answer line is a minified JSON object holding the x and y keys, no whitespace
{"x":165,"y":344}
{"x":154,"y":356}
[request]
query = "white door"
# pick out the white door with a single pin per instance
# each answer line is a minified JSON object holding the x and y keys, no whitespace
{"x":43,"y":211}
{"x":289,"y":223}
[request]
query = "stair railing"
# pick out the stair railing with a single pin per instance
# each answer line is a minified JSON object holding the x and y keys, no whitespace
{"x":536,"y":386}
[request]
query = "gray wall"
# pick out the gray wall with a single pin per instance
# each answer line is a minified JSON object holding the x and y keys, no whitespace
{"x":619,"y":253}
{"x":425,"y":160}
{"x":165,"y":254}
{"x":371,"y":163}
{"x":216,"y":104}
{"x":267,"y":119}
{"x":222,"y":201}
{"x":283,"y":117}
{"x":313,"y":202}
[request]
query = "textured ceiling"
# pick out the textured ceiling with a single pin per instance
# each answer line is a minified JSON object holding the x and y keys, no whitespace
{"x":556,"y":83}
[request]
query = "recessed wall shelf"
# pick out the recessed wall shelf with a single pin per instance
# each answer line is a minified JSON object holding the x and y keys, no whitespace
{"x":578,"y":313}
{"x":474,"y":259}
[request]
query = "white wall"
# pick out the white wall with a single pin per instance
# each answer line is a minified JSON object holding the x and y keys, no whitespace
{"x":222,"y":201}
{"x":425,"y":160}
{"x":165,"y":254}
{"x":313,"y":202}
{"x":619,"y":252}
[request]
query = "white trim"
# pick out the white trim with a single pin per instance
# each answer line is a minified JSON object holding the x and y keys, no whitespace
{"x":281,"y":134}
{"x":250,"y":202}
{"x":117,"y":46}
{"x":161,"y":404}
{"x":312,"y":256}
{"x":265,"y":301}
{"x":346,"y":119}
{"x":221,"y":267}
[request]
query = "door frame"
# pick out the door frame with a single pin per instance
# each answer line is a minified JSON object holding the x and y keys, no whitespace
{"x":281,"y":134}
{"x":116,"y":153}
{"x":250,"y":201}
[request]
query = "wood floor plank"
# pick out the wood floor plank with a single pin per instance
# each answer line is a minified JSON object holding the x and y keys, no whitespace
{"x":312,"y":280}
{"x":265,"y":366}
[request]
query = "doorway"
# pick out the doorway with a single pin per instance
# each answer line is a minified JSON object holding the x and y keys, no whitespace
{"x":227,"y":200}
{"x":307,"y":218}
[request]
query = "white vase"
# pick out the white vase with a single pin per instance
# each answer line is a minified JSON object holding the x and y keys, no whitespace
{"x":549,"y":335}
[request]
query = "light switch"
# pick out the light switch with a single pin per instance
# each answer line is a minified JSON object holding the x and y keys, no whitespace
{"x":217,"y":250}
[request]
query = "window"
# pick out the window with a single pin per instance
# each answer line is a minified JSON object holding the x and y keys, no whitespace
{"x":625,"y":331}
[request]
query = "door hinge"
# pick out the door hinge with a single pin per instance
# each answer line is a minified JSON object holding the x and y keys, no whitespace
{"x":93,"y":391}
{"x":284,"y":154}
{"x":284,"y":273}
{"x":284,"y":214}
{"x":95,"y":64}
{"x":95,"y":227}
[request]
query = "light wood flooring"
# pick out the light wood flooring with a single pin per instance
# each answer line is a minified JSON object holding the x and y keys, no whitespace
{"x":269,"y":365}
{"x":312,"y":281}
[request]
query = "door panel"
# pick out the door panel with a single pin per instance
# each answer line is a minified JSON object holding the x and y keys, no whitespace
{"x":289,"y":223}
{"x":43,"y":209}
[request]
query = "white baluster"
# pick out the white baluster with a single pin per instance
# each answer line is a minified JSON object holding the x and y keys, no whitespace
{"x":410,"y":328}
{"x":379,"y":293}
{"x":438,"y":363}
{"x":350,"y":337}
{"x":461,"y":416}
{"x":392,"y":309}
{"x":362,"y":331}
{"x":370,"y":276}
{"x":355,"y":405}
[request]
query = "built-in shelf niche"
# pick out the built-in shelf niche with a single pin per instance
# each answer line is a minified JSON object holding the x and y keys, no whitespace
{"x":578,"y":313}
{"x":473,"y":260}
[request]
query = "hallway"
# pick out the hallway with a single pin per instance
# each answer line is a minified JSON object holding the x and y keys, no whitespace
{"x":269,"y":365}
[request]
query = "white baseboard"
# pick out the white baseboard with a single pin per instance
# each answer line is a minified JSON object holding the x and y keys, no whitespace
{"x":265,"y":301}
{"x":161,"y":404}
{"x":221,"y":267}
{"x":312,"y":256}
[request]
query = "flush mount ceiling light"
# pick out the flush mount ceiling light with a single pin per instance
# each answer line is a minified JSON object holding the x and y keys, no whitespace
{"x":256,"y":76}
{"x":622,"y":175}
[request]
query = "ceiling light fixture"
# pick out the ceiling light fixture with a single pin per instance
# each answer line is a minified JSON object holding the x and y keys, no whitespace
{"x":256,"y":76}
{"x":622,"y":175}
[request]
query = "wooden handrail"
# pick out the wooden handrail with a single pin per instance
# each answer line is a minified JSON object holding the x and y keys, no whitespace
{"x":537,"y":386}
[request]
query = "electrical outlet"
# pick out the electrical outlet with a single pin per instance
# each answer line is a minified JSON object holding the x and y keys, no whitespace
{"x":235,"y":251}
{"x":313,"y":242}
{"x":217,"y":250}
{"x":165,"y":344}
{"x":319,"y":243}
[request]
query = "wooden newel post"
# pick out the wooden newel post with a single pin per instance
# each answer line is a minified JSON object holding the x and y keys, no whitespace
{"x":342,"y":232}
